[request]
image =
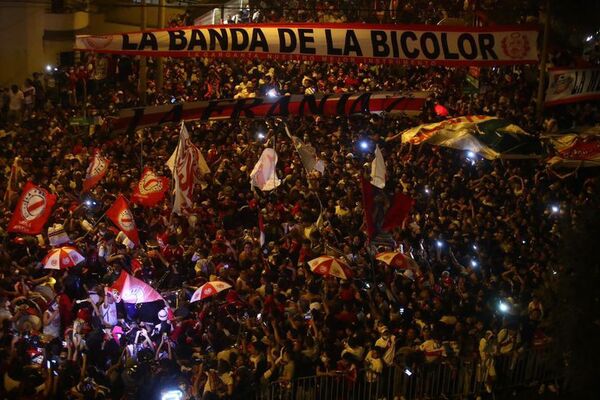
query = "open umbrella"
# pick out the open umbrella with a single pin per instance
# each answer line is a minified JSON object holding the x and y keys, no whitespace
{"x":209,"y":289}
{"x":396,"y":259}
{"x":62,"y":258}
{"x":330,"y":266}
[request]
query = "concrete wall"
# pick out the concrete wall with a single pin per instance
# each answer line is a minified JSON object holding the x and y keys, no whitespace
{"x":21,"y":41}
{"x":133,"y":16}
{"x":31,"y":37}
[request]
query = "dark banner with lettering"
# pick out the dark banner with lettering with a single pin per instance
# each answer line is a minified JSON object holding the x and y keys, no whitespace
{"x":572,"y":85}
{"x":375,"y":44}
{"x":263,"y":107}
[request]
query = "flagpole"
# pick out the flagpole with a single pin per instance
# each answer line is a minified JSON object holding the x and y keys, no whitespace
{"x":174,"y":172}
{"x":543,"y":61}
{"x":94,"y":226}
{"x":141,"y":150}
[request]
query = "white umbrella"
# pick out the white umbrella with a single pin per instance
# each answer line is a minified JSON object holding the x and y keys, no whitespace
{"x":62,"y":258}
{"x":209,"y":289}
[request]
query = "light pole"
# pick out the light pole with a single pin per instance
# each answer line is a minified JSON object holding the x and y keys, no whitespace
{"x":143,"y":71}
{"x":543,"y":62}
{"x":160,"y":60}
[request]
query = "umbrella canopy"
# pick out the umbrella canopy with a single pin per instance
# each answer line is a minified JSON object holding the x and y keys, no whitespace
{"x":396,"y":259}
{"x":209,"y":289}
{"x":133,"y":290}
{"x":62,"y":258}
{"x":330,"y":266}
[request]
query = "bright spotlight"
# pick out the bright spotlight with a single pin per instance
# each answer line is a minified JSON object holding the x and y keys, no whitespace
{"x":474,"y":263}
{"x":48,"y":68}
{"x":555,"y":209}
{"x":470,"y":154}
{"x":260,"y":135}
{"x":503,"y":307}
{"x":272,"y":93}
{"x":439,"y":244}
{"x":475,"y":247}
{"x":364,"y":145}
{"x":427,"y":191}
{"x":408,"y":372}
{"x":173,"y":394}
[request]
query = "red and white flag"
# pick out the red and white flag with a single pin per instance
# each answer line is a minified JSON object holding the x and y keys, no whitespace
{"x":122,"y":217}
{"x":263,"y":175}
{"x":150,"y":189}
{"x":32,"y":210}
{"x":132,"y":290}
{"x":187,"y":166}
{"x":96,"y":170}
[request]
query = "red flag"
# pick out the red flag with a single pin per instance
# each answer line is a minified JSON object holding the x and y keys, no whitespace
{"x":96,"y":170}
{"x":133,"y":290}
{"x":32,"y":211}
{"x":368,"y":205}
{"x":381,"y":215}
{"x":397,"y":212}
{"x":122,"y":217}
{"x":150,"y":189}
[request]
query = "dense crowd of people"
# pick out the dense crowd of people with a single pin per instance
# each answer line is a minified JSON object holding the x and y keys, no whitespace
{"x":484,"y":234}
{"x":379,"y":11}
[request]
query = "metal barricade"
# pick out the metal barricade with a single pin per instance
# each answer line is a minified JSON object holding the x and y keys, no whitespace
{"x":440,"y":379}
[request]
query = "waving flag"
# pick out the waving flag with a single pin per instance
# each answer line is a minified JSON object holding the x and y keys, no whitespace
{"x":382,"y":214}
{"x":263,"y":175}
{"x":574,"y":151}
{"x":187,"y":166}
{"x":490,"y":137}
{"x":150,"y":189}
{"x":378,"y":169}
{"x":96,"y":170}
{"x":122,"y":217}
{"x":132,"y":290}
{"x":32,"y":210}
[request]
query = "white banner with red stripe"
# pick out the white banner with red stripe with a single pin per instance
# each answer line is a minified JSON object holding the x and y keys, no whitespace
{"x":370,"y":43}
{"x":572,"y":85}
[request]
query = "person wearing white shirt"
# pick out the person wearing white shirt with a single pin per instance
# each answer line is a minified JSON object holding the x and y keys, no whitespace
{"x":108,"y":311}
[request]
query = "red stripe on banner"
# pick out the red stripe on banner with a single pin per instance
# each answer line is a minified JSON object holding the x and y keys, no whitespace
{"x":226,"y":107}
{"x":574,"y":99}
{"x":313,"y":58}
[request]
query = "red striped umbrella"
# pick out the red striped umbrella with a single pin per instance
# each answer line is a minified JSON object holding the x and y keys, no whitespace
{"x":209,"y":289}
{"x":62,"y":258}
{"x":330,"y":266}
{"x":397,"y":260}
